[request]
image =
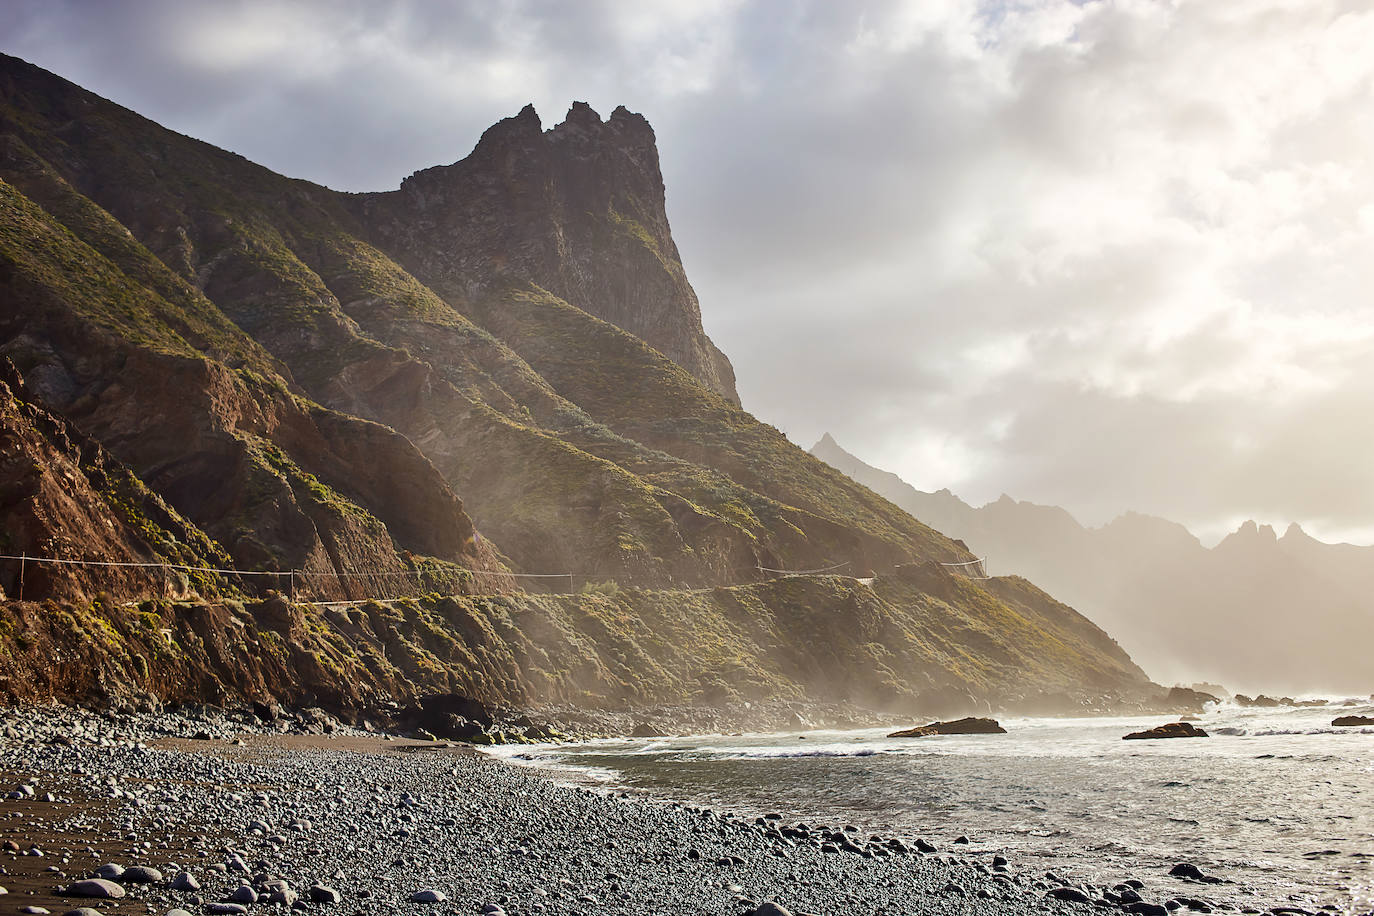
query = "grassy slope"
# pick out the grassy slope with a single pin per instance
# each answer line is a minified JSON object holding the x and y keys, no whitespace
{"x":808,"y":639}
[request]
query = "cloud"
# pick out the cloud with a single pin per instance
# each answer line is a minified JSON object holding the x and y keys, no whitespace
{"x":1112,"y":255}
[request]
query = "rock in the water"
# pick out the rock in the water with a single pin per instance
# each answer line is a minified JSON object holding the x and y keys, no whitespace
{"x":1351,"y":721}
{"x":96,"y":887}
{"x":970,"y":725}
{"x":1172,"y":730}
{"x":1190,"y":872}
{"x":428,"y":895}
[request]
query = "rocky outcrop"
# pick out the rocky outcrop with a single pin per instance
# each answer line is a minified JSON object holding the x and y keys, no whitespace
{"x":967,"y":726}
{"x":1352,"y":721}
{"x":578,"y":209}
{"x":1172,"y":730}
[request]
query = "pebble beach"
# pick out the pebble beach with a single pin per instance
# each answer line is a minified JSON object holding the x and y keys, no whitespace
{"x":214,"y":813}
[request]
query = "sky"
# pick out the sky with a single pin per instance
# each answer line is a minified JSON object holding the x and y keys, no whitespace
{"x":1106,"y":255}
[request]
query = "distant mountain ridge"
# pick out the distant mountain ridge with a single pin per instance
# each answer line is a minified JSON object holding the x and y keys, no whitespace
{"x":1257,"y":612}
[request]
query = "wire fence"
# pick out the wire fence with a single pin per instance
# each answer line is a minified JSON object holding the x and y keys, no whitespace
{"x":973,"y":569}
{"x":297,"y":582}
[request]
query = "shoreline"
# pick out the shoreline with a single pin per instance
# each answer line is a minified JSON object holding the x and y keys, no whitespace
{"x":397,"y":816}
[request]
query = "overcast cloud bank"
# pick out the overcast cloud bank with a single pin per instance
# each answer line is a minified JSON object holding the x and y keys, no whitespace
{"x":1104,"y":255}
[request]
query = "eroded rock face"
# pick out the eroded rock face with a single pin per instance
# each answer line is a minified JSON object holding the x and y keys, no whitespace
{"x":62,"y":495}
{"x":578,"y":209}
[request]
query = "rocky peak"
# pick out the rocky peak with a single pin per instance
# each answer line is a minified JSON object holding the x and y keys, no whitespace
{"x":578,"y":209}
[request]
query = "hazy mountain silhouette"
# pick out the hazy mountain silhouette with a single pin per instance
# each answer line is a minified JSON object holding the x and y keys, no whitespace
{"x":1257,"y":612}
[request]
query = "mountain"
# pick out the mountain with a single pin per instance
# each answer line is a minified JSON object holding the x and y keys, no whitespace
{"x":1257,"y":612}
{"x":489,"y":382}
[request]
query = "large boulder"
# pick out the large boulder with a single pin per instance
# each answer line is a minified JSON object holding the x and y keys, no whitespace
{"x":1172,"y":730}
{"x":1351,"y":721}
{"x":966,"y":726}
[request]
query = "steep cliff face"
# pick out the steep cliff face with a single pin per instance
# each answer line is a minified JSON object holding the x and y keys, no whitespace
{"x":578,"y":210}
{"x":63,"y":495}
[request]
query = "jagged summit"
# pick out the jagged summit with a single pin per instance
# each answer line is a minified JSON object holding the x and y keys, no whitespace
{"x":579,"y":209}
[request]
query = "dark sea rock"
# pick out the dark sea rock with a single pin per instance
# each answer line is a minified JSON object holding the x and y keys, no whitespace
{"x":966,"y":726}
{"x":1351,"y":721}
{"x":1172,"y":730}
{"x":1186,"y":699}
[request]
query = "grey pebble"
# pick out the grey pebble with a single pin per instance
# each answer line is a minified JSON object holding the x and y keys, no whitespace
{"x":428,"y":895}
{"x":95,"y":887}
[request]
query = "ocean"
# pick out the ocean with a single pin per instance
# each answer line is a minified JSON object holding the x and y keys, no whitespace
{"x":1277,"y":802}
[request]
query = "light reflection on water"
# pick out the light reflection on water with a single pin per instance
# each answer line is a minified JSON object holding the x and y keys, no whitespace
{"x":1276,"y":801}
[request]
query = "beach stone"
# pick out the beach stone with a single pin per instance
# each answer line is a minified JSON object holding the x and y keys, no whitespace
{"x":1071,"y":894}
{"x":243,"y":894}
{"x":1141,"y":908}
{"x":185,"y":881}
{"x":1190,"y":872}
{"x":225,"y":909}
{"x":96,"y":887}
{"x":34,"y":910}
{"x":323,"y":893}
{"x":82,"y":911}
{"x":428,"y":895}
{"x":178,"y":912}
{"x":110,"y":871}
{"x":769,"y":908}
{"x":141,"y":874}
{"x":284,"y":896}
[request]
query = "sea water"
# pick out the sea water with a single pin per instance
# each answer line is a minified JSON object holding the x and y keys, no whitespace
{"x":1277,"y":801}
